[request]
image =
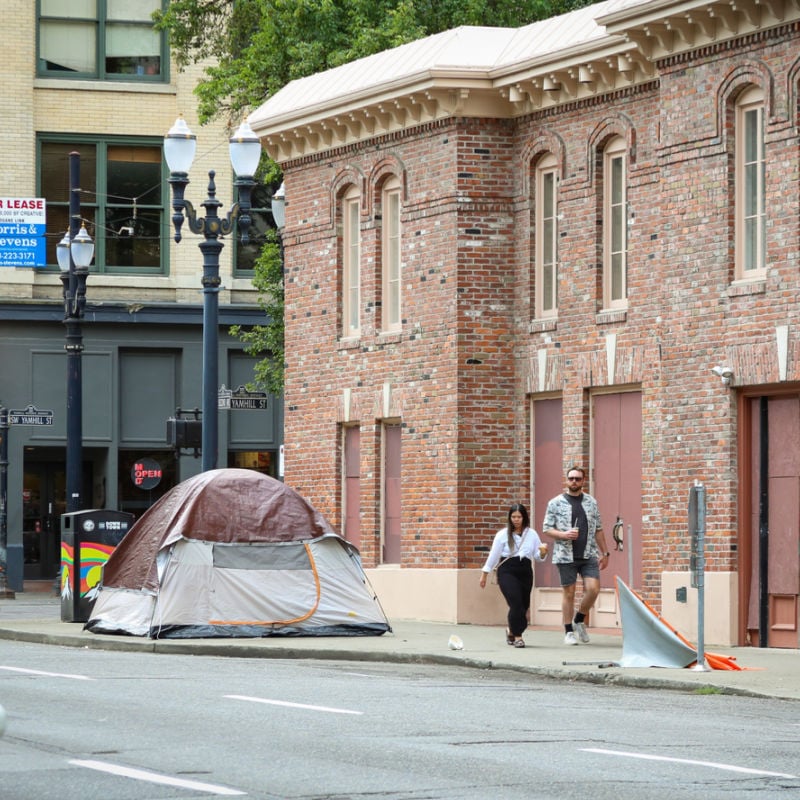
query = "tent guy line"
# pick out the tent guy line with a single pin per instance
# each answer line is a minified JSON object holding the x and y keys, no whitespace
{"x":292,"y":705}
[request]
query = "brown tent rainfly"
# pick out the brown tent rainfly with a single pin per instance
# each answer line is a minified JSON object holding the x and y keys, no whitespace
{"x":234,"y":553}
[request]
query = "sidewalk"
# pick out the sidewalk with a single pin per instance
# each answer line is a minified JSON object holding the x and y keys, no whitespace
{"x":36,"y":617}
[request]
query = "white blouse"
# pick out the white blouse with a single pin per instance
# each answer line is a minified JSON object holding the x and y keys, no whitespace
{"x":526,"y":545}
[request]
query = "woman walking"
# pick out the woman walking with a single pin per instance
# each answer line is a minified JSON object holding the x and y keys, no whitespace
{"x":512,"y":553}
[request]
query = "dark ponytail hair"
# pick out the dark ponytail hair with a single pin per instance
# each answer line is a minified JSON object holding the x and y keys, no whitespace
{"x":526,"y":522}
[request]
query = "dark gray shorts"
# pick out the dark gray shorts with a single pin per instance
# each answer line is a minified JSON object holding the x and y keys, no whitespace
{"x":586,"y":569}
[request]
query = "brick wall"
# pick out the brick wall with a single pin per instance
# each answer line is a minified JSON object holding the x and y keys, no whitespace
{"x":467,"y":362}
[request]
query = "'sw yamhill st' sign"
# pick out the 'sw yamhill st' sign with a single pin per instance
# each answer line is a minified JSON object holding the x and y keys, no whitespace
{"x":241,"y":400}
{"x":30,"y":416}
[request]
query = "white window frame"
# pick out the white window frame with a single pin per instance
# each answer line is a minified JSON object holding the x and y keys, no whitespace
{"x":391,"y":252}
{"x":615,"y":225}
{"x":351,"y":263}
{"x":546,"y":237}
{"x":750,"y":167}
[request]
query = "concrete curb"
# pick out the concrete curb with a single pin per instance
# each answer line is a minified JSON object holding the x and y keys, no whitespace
{"x":256,"y":649}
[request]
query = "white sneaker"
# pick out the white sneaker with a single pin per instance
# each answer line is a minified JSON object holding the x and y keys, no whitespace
{"x":580,"y":631}
{"x":569,"y":638}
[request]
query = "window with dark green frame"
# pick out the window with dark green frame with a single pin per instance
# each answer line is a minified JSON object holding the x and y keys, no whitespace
{"x":123,"y":200}
{"x":100,"y":40}
{"x":261,"y":222}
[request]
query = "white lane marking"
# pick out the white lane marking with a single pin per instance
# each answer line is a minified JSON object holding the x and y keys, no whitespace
{"x":712,"y":764}
{"x":48,"y":674}
{"x":292,"y":705}
{"x":153,"y":777}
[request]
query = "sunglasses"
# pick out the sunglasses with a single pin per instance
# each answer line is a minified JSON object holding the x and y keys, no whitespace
{"x":571,"y":478}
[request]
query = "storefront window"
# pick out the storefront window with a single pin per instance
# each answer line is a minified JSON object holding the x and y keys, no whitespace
{"x":144,"y":477}
{"x":264,"y":461}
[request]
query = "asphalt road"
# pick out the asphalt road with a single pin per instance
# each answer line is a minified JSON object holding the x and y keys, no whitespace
{"x":136,"y":726}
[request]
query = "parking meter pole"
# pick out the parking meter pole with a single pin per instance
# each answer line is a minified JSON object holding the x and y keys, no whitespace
{"x":5,"y":592}
{"x":698,"y":537}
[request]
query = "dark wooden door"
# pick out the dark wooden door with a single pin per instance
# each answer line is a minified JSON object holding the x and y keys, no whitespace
{"x":783,"y":520}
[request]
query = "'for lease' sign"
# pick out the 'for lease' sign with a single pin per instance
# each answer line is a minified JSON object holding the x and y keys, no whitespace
{"x":22,"y":227}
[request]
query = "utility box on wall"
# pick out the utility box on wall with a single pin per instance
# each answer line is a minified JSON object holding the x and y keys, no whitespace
{"x":87,"y":540}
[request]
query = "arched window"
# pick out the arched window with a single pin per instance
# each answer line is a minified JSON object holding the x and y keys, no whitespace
{"x":391,"y":268}
{"x":615,"y":225}
{"x":750,"y":190}
{"x":351,"y":262}
{"x":546,"y":237}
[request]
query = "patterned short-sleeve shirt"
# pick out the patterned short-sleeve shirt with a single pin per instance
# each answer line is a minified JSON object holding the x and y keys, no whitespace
{"x":559,"y":516}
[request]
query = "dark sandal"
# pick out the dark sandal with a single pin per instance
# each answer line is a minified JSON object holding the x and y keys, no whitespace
{"x":519,"y":643}
{"x":509,"y":637}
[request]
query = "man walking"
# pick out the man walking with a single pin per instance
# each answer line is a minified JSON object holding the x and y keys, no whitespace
{"x":572,"y":520}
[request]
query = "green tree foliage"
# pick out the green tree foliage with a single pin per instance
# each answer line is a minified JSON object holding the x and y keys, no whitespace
{"x":267,"y":339}
{"x":258,"y":46}
{"x":255,"y":47}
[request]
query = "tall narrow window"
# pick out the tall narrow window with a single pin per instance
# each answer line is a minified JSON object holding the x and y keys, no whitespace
{"x":351,"y":263}
{"x":391,"y":493}
{"x":352,"y":484}
{"x":546,"y":233}
{"x":615,"y":228}
{"x":750,"y":191}
{"x":391,"y":272}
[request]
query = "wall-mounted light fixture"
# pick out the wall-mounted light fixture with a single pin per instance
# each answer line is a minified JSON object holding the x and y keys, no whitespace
{"x":724,"y":373}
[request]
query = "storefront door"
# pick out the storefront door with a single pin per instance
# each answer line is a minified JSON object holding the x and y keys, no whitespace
{"x":43,"y":503}
{"x":770,"y":516}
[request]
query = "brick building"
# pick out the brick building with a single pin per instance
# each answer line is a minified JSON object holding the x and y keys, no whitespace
{"x":95,"y":78}
{"x":508,"y":251}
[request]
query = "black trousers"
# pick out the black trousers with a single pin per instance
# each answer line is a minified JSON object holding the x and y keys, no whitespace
{"x":515,"y":579}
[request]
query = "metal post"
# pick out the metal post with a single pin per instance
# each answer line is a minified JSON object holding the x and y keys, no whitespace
{"x":73,"y":312}
{"x":211,"y":247}
{"x":629,"y":539}
{"x":700,"y":565}
{"x":5,"y":592}
{"x":179,"y":152}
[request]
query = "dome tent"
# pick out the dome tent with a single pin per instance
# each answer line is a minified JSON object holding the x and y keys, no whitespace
{"x":234,"y":553}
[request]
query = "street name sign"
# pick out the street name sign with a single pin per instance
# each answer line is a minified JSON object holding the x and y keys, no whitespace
{"x":241,"y":400}
{"x":30,"y":416}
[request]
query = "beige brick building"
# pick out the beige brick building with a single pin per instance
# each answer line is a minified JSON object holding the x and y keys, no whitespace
{"x":508,"y":251}
{"x":96,"y":79}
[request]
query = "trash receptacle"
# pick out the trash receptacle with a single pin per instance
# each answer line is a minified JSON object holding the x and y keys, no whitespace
{"x":87,"y":540}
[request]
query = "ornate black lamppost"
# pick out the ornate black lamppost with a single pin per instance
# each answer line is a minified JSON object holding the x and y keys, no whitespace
{"x":245,"y":151}
{"x":74,"y":252}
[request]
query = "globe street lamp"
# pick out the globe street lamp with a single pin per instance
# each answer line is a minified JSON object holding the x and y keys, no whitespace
{"x":245,"y":151}
{"x":74,"y":253}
